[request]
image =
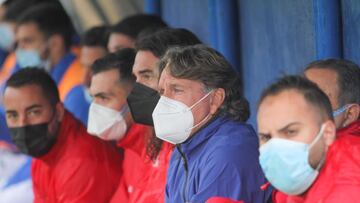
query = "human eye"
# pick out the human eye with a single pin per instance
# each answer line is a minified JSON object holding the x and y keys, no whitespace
{"x":146,"y":76}
{"x":101,"y":98}
{"x":34,"y":113}
{"x":291,"y":132}
{"x":11,"y":116}
{"x":264,"y":137}
{"x":178,"y":90}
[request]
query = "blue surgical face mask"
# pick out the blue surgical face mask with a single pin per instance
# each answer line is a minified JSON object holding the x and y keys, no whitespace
{"x":7,"y":38}
{"x":28,"y":58}
{"x":286,"y":164}
{"x":340,"y":110}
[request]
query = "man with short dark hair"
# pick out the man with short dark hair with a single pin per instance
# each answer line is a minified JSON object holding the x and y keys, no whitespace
{"x":112,"y":80}
{"x":340,"y":80}
{"x":301,"y":154}
{"x":152,"y":47}
{"x":69,"y":165}
{"x":124,"y":33}
{"x":44,"y":36}
{"x":93,"y":47}
{"x":142,"y":101}
{"x":10,"y":10}
{"x":203,"y":112}
{"x":110,"y":119}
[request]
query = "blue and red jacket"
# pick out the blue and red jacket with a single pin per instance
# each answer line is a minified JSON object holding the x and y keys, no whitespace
{"x":220,"y":160}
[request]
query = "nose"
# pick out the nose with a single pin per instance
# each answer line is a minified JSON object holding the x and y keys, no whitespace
{"x":22,"y":121}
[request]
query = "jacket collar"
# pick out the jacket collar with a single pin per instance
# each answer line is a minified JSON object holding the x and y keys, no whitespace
{"x":58,"y":71}
{"x":203,"y":134}
{"x":353,"y":129}
{"x":67,"y":123}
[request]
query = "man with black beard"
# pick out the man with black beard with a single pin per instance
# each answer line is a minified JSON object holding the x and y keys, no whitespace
{"x":69,"y":165}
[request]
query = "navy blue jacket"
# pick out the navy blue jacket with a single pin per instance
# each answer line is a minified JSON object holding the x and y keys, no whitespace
{"x":221,"y":159}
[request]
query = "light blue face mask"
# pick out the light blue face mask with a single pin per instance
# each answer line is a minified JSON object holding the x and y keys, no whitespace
{"x":286,"y":164}
{"x":7,"y":37}
{"x":340,"y":110}
{"x":28,"y":58}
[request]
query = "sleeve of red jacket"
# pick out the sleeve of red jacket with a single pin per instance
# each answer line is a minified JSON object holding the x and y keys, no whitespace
{"x":135,"y":139}
{"x":344,"y":193}
{"x":121,"y":194}
{"x":222,"y":200}
{"x":97,"y":183}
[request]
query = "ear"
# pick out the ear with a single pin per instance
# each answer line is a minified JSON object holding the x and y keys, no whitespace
{"x":329,"y":133}
{"x":216,"y":100}
{"x":351,"y":114}
{"x":60,"y":111}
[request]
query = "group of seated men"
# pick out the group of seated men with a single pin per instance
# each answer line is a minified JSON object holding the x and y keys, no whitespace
{"x":141,"y":112}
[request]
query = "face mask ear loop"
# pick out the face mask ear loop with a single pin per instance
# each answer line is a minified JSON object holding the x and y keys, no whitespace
{"x":341,"y":110}
{"x":204,"y":97}
{"x":124,"y":110}
{"x":202,"y":121}
{"x":320,"y":163}
{"x":206,"y":117}
{"x":318,"y":136}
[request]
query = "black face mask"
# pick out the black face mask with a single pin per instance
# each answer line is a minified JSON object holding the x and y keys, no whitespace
{"x":33,"y":140}
{"x":142,"y":101}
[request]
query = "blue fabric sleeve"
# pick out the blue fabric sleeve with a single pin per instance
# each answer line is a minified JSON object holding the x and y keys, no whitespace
{"x":4,"y":131}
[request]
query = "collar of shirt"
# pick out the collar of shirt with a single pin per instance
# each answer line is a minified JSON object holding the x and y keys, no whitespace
{"x":58,"y":71}
{"x":203,"y":134}
{"x":67,"y":123}
{"x":353,"y":129}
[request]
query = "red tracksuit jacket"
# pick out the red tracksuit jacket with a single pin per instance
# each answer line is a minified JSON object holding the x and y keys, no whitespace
{"x":143,"y":180}
{"x":79,"y":168}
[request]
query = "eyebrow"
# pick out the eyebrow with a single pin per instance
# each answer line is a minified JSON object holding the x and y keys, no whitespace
{"x":11,"y":111}
{"x":27,"y":108}
{"x":145,"y":71}
{"x":173,"y":85}
{"x":281,"y":130}
{"x":288,"y":125}
{"x":263,"y":134}
{"x":101,"y":94}
{"x":33,"y":107}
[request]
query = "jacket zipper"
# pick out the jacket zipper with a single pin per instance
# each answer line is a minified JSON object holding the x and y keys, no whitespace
{"x":185,"y":164}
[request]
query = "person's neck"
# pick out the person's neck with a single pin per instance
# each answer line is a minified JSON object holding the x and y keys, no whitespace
{"x":56,"y":57}
{"x":129,"y":120}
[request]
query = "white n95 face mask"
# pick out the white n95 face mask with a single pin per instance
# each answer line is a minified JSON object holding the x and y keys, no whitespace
{"x":173,"y":120}
{"x":107,"y":123}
